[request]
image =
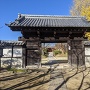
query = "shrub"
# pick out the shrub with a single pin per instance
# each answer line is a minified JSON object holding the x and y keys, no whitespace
{"x":56,"y":52}
{"x":45,"y":52}
{"x":15,"y":70}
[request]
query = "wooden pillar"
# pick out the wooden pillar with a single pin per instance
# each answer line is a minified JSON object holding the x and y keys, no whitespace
{"x":1,"y":54}
{"x":11,"y":57}
{"x":76,"y":54}
{"x":24,"y":57}
{"x":40,"y":52}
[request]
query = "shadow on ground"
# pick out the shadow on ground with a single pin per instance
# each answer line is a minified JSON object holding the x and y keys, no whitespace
{"x":38,"y":78}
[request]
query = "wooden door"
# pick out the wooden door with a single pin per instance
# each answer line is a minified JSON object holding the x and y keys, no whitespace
{"x":33,"y":57}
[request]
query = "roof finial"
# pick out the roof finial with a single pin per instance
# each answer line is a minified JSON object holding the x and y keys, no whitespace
{"x":19,"y":15}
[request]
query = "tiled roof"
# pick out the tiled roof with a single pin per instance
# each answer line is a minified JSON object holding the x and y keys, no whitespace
{"x":10,"y":43}
{"x":24,"y":20}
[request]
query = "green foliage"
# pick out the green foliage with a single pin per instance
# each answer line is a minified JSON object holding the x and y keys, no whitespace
{"x":16,"y":70}
{"x":56,"y":52}
{"x":12,"y":69}
{"x":20,"y":70}
{"x":45,"y":52}
{"x":87,"y":34}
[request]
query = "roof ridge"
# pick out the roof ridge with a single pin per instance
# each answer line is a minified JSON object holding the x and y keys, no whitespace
{"x":46,"y":16}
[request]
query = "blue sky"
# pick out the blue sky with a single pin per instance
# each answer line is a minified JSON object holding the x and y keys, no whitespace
{"x":9,"y":10}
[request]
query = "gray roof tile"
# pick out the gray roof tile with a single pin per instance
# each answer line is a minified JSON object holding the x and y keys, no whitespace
{"x":10,"y":43}
{"x":50,"y":21}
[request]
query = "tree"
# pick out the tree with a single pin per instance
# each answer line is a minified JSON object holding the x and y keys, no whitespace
{"x":61,"y":47}
{"x":81,"y":8}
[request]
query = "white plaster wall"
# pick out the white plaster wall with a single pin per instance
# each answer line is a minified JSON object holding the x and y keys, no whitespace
{"x":8,"y":61}
{"x":13,"y":62}
{"x":87,"y":56}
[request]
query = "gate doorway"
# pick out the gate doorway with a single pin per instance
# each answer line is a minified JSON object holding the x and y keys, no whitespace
{"x":54,"y":53}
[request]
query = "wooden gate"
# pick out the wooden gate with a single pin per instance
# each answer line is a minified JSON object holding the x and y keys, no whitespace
{"x":33,"y":52}
{"x":33,"y":57}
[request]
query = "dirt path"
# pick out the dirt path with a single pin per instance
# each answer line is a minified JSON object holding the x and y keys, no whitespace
{"x":56,"y":79}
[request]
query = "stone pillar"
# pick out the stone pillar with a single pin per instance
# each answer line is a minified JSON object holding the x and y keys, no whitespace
{"x":76,"y":51}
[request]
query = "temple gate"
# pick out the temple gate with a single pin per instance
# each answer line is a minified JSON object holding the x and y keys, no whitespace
{"x":37,"y":29}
